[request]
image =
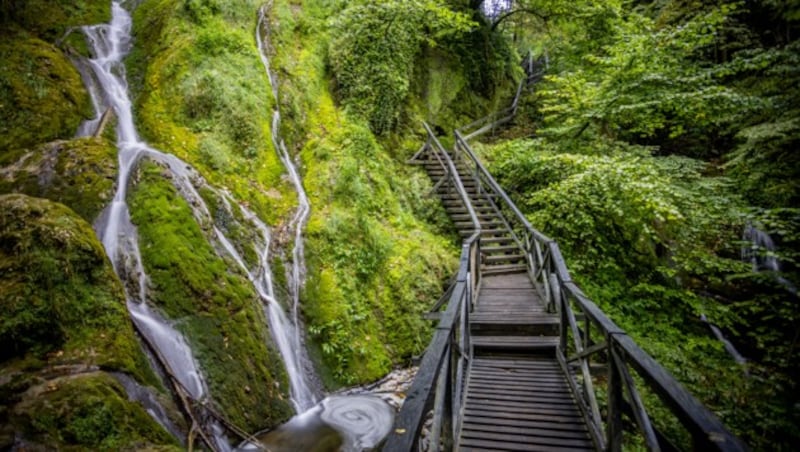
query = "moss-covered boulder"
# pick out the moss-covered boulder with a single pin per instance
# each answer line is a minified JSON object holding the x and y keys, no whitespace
{"x":63,"y":315}
{"x":216,"y":308}
{"x":51,"y":19}
{"x":87,"y":411}
{"x":79,"y":173}
{"x":42,"y":97}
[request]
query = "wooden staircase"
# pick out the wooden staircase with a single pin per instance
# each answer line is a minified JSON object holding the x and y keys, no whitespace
{"x":517,"y":397}
{"x":500,"y":252}
{"x":503,"y":371}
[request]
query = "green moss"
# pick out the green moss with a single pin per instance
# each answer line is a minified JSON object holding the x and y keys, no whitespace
{"x":79,"y":173}
{"x":42,"y":97}
{"x":205,"y":97}
{"x":50,"y":19}
{"x":58,"y":291}
{"x":216,"y":309}
{"x":373,"y":265}
{"x":87,"y":411}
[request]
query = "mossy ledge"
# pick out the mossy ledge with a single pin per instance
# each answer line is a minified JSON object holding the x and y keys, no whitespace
{"x":64,"y":316}
{"x":216,"y":309}
{"x":79,"y":173}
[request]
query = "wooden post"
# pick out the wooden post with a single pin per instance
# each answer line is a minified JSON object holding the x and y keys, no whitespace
{"x":614,"y":418}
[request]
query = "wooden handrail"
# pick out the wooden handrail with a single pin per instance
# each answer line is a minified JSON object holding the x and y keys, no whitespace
{"x":446,"y":354}
{"x":443,"y":365}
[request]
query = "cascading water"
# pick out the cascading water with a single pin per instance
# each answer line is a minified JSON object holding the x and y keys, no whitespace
{"x":107,"y":84}
{"x":110,"y":43}
{"x":360,"y":421}
{"x":302,"y":394}
{"x":760,"y":252}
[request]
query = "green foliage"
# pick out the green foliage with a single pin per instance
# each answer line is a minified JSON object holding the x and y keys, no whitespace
{"x":42,"y":97}
{"x":373,"y":266}
{"x":372,"y":52}
{"x":79,"y":173}
{"x":647,"y":84}
{"x":215,"y":308}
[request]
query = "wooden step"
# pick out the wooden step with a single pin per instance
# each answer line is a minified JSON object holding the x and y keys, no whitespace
{"x":538,"y":344}
{"x":482,"y":216}
{"x":489,"y":225}
{"x":497,"y":249}
{"x":508,"y":258}
{"x":493,"y":232}
{"x":503,"y":269}
{"x":513,"y":324}
{"x":496,"y":240}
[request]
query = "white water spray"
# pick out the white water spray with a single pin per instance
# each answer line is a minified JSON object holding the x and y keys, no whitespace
{"x":302,"y":394}
{"x":760,"y":252}
{"x":110,"y":43}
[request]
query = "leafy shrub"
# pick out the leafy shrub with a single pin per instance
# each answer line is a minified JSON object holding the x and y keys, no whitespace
{"x":372,"y":52}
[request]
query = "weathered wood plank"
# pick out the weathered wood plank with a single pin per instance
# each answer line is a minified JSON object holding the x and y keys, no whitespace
{"x":543,"y":414}
{"x":482,"y":445}
{"x":527,"y":439}
{"x":537,"y":431}
{"x":575,"y":424}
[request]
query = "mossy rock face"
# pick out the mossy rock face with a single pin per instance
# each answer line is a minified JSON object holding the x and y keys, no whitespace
{"x":63,"y":313}
{"x":202,"y":94}
{"x":42,"y":97}
{"x":50,"y":19}
{"x":58,"y":292}
{"x":86,"y":411}
{"x":374,"y":264}
{"x":79,"y":173}
{"x":215,"y":308}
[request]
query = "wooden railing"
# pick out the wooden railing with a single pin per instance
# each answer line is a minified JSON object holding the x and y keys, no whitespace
{"x":596,"y":356}
{"x":439,"y":384}
{"x":594,"y":353}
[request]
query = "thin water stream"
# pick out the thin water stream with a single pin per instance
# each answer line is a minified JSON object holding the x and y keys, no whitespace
{"x":107,"y":85}
{"x":304,"y":395}
{"x":108,"y":88}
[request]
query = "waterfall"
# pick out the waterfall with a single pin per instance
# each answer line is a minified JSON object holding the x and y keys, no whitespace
{"x":295,"y":356}
{"x":760,"y":252}
{"x":110,"y":43}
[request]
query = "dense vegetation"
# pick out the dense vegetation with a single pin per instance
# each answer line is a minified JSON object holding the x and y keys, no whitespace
{"x":662,"y":131}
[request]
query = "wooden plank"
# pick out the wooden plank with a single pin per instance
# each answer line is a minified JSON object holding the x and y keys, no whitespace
{"x":527,"y":439}
{"x":545,"y":414}
{"x":517,"y":362}
{"x":514,"y":380}
{"x":575,"y":425}
{"x":521,"y":395}
{"x":505,"y":363}
{"x":537,"y":431}
{"x":532,"y":398}
{"x":512,"y":386}
{"x":482,"y":445}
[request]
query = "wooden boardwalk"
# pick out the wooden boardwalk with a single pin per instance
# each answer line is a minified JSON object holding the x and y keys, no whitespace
{"x":517,"y":397}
